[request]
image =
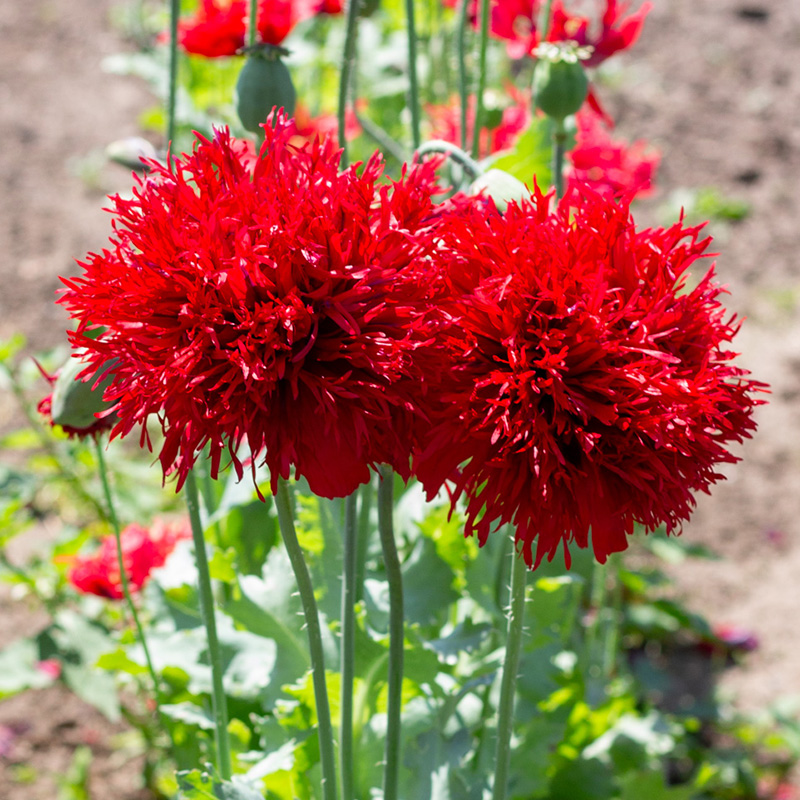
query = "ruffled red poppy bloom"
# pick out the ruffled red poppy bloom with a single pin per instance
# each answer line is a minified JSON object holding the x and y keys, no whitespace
{"x":592,"y":387}
{"x":610,"y":32}
{"x":143,"y":550}
{"x":608,"y":165}
{"x":272,"y":302}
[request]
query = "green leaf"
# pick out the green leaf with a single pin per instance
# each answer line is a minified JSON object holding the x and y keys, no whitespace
{"x":532,"y":154}
{"x":583,"y":779}
{"x":651,"y":785}
{"x":197,"y":785}
{"x":18,"y":668}
{"x":264,"y":607}
{"x":118,"y":661}
{"x":189,"y":714}
{"x":222,"y":565}
{"x":427,"y":585}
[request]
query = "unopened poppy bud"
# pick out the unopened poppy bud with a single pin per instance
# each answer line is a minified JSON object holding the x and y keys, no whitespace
{"x":560,"y":84}
{"x":263,"y":84}
{"x":501,"y":187}
{"x":130,"y":152}
{"x":75,"y":402}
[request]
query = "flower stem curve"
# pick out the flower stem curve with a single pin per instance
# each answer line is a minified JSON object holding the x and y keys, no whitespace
{"x":218,"y":700}
{"x":451,"y":151}
{"x":283,"y":503}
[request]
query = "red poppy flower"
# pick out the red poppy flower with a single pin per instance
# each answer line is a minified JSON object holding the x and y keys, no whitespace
{"x":217,"y":29}
{"x":142,"y":551}
{"x":219,"y":26}
{"x":591,"y":386}
{"x":609,"y":166}
{"x":273,"y":303}
{"x":515,"y":21}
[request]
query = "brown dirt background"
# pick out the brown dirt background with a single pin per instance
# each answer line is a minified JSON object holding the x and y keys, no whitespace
{"x":714,"y":85}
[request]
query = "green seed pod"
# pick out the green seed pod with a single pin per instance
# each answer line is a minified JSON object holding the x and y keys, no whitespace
{"x":75,"y":402}
{"x":501,"y":187}
{"x":560,"y":84}
{"x":263,"y":84}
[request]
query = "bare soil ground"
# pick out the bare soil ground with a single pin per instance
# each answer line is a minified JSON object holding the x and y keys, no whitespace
{"x":716,"y":86}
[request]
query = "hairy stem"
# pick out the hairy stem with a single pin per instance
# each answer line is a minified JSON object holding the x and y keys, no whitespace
{"x":396,"y":632}
{"x":505,"y":712}
{"x":305,"y":588}
{"x":218,"y":700}
{"x":348,"y":644}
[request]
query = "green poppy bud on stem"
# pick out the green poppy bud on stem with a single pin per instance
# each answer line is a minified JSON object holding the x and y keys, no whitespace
{"x":75,"y":402}
{"x":263,"y":84}
{"x":560,"y":84}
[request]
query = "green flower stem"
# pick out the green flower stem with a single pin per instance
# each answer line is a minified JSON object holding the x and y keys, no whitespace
{"x":411,"y":30}
{"x":559,"y":147}
{"x":543,"y":23}
{"x":283,"y":504}
{"x":451,"y":151}
{"x":367,"y":493}
{"x":126,"y":587}
{"x":463,"y":92}
{"x":505,"y":714}
{"x":252,"y":23}
{"x":218,"y":700}
{"x":615,"y":613}
{"x":174,"y":11}
{"x":348,"y":61}
{"x":382,"y":138}
{"x":348,"y":646}
{"x":482,"y":47}
{"x":396,"y":632}
{"x":597,"y":603}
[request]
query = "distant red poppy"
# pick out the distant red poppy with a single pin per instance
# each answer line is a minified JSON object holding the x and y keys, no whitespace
{"x":608,"y":165}
{"x":143,"y":550}
{"x":607,"y":31}
{"x":218,"y":28}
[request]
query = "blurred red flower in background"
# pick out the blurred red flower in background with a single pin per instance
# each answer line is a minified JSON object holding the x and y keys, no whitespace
{"x":608,"y":165}
{"x":445,"y":122}
{"x":273,"y":302}
{"x":143,"y":550}
{"x":591,"y":385}
{"x":218,"y":28}
{"x":607,"y":31}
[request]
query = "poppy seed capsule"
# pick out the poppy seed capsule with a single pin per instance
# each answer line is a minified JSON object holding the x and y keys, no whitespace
{"x":75,"y":402}
{"x":501,"y":187}
{"x":263,"y":84}
{"x":560,"y":84}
